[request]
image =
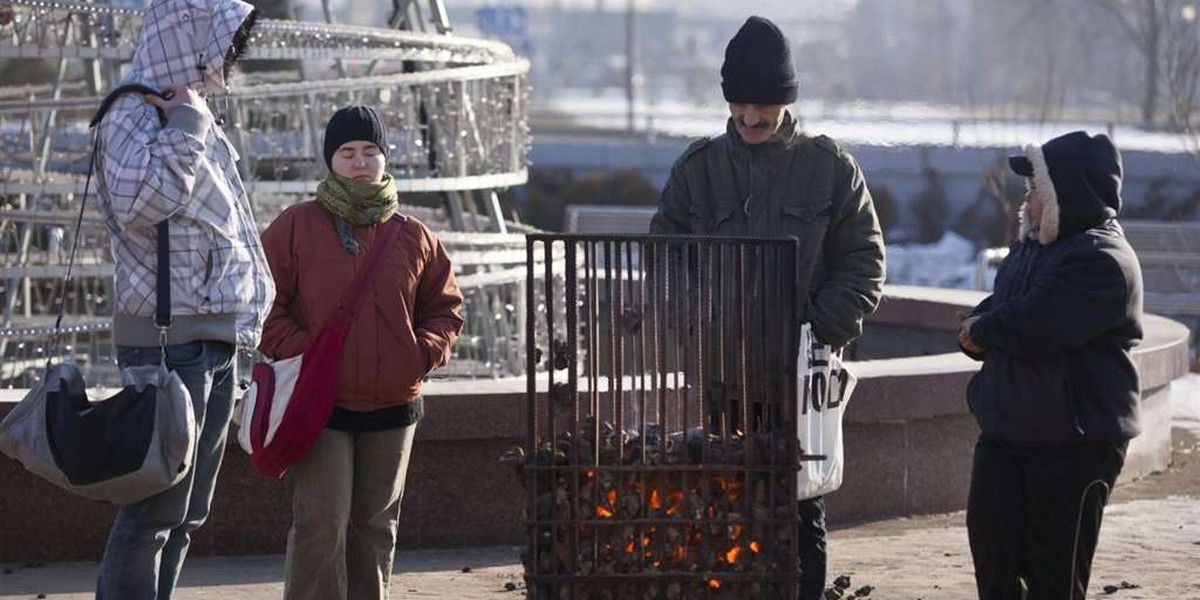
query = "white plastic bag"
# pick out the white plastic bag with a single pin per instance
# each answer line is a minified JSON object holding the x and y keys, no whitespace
{"x":825,"y":387}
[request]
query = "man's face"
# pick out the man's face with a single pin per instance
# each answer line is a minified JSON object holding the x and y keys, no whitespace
{"x":756,"y":123}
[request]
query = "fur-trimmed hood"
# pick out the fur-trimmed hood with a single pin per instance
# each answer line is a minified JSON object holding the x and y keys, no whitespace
{"x":1078,"y":178}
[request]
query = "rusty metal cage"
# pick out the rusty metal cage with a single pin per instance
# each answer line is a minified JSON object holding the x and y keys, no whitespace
{"x":661,"y":457}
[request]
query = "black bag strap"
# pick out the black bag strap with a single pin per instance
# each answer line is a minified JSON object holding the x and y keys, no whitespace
{"x":162,"y":317}
{"x":61,"y":296}
{"x":127,"y":88}
{"x":162,"y":292}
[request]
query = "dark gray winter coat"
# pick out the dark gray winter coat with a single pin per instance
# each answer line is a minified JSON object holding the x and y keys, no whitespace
{"x":794,"y":185}
{"x":1065,"y":313}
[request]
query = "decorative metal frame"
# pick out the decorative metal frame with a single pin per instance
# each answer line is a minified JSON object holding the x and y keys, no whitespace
{"x":455,"y":108}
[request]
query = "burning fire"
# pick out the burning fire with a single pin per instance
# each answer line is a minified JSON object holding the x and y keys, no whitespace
{"x":675,"y":498}
{"x":735,"y":532}
{"x":607,"y":512}
{"x":675,"y":546}
{"x":668,"y":523}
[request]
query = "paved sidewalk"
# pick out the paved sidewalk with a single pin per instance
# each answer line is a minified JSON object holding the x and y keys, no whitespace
{"x":1154,"y":544}
{"x":1150,"y":539}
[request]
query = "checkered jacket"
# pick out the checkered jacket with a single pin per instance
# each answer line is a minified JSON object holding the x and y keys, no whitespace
{"x":184,"y":171}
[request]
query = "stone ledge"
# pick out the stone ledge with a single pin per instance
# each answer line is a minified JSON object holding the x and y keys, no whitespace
{"x":909,"y":442}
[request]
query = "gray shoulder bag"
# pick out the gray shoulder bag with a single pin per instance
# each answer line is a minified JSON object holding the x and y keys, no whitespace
{"x":121,"y":449}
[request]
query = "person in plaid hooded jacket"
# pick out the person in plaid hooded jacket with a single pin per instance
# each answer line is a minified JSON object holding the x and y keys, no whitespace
{"x":166,"y":158}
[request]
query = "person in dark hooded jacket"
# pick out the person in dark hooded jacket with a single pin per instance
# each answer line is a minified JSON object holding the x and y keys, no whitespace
{"x":1057,"y":397}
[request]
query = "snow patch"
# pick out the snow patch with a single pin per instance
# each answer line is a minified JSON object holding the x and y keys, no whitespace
{"x":1185,"y":403}
{"x":948,"y":263}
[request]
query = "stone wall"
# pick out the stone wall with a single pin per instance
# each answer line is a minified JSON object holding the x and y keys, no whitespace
{"x":909,"y":443}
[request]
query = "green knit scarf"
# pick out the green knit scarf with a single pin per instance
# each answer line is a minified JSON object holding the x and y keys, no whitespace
{"x":359,"y":203}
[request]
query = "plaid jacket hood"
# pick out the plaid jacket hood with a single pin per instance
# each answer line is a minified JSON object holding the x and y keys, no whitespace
{"x":185,"y":171}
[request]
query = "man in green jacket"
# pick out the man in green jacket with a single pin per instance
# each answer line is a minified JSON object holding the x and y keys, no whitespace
{"x":765,"y":177}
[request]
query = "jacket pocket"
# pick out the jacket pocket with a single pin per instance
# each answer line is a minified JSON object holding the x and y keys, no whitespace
{"x":402,"y":358}
{"x":717,"y":219}
{"x":208,"y":267}
{"x":807,"y":212}
{"x":807,"y":220}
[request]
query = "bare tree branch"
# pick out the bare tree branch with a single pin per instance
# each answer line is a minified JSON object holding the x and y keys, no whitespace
{"x":1116,"y":9}
{"x":1181,"y":71}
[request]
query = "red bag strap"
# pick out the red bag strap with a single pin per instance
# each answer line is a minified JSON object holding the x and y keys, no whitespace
{"x":352,"y":297}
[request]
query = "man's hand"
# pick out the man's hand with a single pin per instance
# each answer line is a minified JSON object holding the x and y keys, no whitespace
{"x":964,"y":334}
{"x":177,"y":95}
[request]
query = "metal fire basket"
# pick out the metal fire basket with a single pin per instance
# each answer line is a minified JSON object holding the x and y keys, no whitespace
{"x":661,"y":456}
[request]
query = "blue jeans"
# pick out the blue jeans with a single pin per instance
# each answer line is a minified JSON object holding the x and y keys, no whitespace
{"x":149,"y":539}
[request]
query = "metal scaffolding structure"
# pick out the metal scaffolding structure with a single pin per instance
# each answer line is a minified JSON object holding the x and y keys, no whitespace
{"x":455,"y":108}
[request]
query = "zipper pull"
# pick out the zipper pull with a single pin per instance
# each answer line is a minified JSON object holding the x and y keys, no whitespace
{"x":746,"y":205}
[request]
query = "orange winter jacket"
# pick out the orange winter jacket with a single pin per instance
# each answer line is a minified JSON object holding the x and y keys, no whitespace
{"x":410,"y":312}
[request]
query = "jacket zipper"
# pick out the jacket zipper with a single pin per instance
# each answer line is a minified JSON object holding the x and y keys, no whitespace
{"x":750,"y":193}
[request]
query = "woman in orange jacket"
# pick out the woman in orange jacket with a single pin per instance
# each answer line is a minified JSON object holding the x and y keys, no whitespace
{"x":347,"y":490}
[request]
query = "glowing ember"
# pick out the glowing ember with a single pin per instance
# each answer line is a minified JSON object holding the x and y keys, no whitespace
{"x":674,"y":499}
{"x":735,"y":490}
{"x":668,"y":547}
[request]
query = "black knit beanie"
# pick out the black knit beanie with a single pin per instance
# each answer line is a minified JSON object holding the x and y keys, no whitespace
{"x":353,"y":124}
{"x":758,"y":65}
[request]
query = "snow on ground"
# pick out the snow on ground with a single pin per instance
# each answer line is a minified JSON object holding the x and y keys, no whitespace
{"x":1185,"y":403}
{"x":949,"y":263}
{"x":899,"y":124}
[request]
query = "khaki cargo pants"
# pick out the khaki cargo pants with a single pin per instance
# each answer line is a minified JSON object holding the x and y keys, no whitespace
{"x":345,"y":513}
